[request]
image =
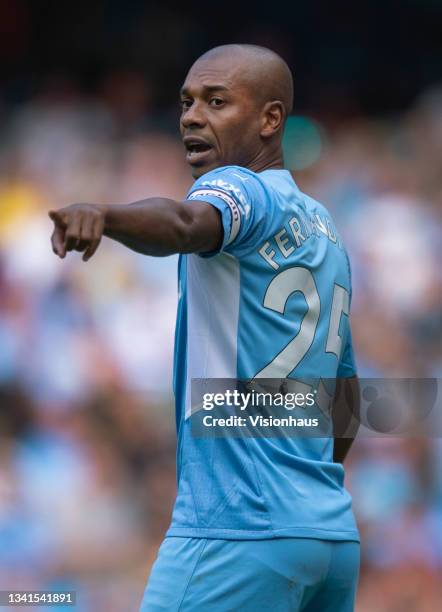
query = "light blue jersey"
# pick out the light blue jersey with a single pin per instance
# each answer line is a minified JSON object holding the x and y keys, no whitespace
{"x":272,"y":303}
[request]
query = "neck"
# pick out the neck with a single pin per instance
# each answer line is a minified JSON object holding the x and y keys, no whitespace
{"x":267,"y":160}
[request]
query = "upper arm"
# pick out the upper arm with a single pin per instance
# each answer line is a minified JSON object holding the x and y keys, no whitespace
{"x":347,"y":363}
{"x":203,"y":228}
{"x":346,"y":404}
{"x":346,"y":407}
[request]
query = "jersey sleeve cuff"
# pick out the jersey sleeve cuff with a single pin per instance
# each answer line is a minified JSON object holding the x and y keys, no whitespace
{"x":230,"y":214}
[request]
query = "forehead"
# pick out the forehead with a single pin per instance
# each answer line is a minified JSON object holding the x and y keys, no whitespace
{"x":216,"y":72}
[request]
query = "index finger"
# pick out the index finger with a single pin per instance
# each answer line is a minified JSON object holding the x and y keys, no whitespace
{"x":57,"y":240}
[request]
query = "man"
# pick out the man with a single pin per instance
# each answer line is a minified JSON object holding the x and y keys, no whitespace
{"x":264,"y":292}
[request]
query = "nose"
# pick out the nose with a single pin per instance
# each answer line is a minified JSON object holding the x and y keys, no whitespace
{"x":193,"y":117}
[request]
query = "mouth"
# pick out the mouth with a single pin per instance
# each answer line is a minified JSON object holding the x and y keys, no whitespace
{"x":197,"y":150}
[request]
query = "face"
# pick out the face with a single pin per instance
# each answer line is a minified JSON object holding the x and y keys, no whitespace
{"x":220,"y":122}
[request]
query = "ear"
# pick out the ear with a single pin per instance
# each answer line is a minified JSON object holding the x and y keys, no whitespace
{"x":273,"y":115}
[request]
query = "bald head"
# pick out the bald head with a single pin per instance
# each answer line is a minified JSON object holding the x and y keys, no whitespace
{"x":235,"y":100}
{"x":262,"y":70}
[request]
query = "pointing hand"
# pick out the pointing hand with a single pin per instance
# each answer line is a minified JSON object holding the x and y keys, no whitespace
{"x":78,"y":227}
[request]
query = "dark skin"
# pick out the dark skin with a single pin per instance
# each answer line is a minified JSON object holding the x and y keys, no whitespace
{"x":223,"y":112}
{"x":234,"y":103}
{"x":345,"y":416}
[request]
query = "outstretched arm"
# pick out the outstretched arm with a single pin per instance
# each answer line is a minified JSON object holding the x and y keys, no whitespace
{"x":156,"y":226}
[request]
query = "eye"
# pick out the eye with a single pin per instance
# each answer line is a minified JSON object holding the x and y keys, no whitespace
{"x":185,"y":104}
{"x":215,"y":101}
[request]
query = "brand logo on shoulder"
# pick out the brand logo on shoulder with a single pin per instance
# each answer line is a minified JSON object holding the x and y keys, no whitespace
{"x":229,"y":187}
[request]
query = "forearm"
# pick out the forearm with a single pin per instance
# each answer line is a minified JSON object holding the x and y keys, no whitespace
{"x":155,"y":226}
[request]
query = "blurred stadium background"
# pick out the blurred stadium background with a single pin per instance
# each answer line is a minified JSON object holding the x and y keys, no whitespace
{"x":89,"y":112}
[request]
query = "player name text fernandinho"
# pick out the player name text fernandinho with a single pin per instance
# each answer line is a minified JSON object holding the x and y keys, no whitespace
{"x":290,"y":237}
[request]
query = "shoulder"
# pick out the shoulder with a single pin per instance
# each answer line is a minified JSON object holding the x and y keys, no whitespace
{"x":228,"y":177}
{"x":233,"y":181}
{"x":315,"y":206}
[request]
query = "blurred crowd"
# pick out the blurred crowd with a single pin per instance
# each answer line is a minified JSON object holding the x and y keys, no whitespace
{"x":86,"y":413}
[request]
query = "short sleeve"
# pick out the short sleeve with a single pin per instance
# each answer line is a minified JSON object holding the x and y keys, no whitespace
{"x":241,"y":199}
{"x":347,"y":364}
